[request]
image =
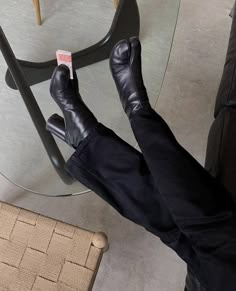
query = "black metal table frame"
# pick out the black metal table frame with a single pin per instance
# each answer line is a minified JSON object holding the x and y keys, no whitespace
{"x":23,"y":74}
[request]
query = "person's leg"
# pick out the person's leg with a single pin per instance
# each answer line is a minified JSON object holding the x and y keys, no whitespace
{"x":118,"y":174}
{"x":103,"y":159}
{"x":192,"y":194}
{"x":114,"y":170}
{"x":201,"y":208}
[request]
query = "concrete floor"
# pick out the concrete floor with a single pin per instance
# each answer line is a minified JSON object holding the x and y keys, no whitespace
{"x":138,"y":261}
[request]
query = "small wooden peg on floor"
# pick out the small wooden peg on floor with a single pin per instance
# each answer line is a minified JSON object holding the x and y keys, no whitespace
{"x":100,"y":241}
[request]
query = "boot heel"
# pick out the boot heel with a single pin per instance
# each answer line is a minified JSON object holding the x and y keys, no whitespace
{"x":56,"y":126}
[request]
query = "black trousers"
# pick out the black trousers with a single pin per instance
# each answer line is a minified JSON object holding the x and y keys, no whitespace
{"x":165,"y":190}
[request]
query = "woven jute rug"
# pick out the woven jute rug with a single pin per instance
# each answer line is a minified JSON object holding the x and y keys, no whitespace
{"x":42,"y":254}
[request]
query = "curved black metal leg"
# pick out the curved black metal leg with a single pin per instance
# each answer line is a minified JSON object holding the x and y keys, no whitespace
{"x":36,"y":115}
{"x":126,"y":23}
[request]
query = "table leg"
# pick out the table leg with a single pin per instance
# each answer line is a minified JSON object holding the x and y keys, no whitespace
{"x":37,"y":11}
{"x":36,"y":115}
{"x":116,"y":2}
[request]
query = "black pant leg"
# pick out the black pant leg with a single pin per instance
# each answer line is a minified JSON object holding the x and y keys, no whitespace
{"x":118,"y":173}
{"x":201,"y":207}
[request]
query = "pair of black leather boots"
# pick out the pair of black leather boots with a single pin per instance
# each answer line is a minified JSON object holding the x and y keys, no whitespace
{"x":79,"y":121}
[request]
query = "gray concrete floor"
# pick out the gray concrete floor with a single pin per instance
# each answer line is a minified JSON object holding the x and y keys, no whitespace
{"x":138,"y":261}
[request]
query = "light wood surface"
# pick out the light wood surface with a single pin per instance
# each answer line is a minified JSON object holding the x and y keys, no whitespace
{"x":37,"y":11}
{"x":116,"y":2}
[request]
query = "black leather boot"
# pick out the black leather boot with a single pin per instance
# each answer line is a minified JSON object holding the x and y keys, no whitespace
{"x":78,"y":121}
{"x":126,"y":68}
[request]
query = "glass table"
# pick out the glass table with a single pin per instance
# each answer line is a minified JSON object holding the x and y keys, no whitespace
{"x":23,"y":159}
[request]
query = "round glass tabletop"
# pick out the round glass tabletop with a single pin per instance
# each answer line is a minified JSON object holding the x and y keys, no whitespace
{"x":72,"y":27}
